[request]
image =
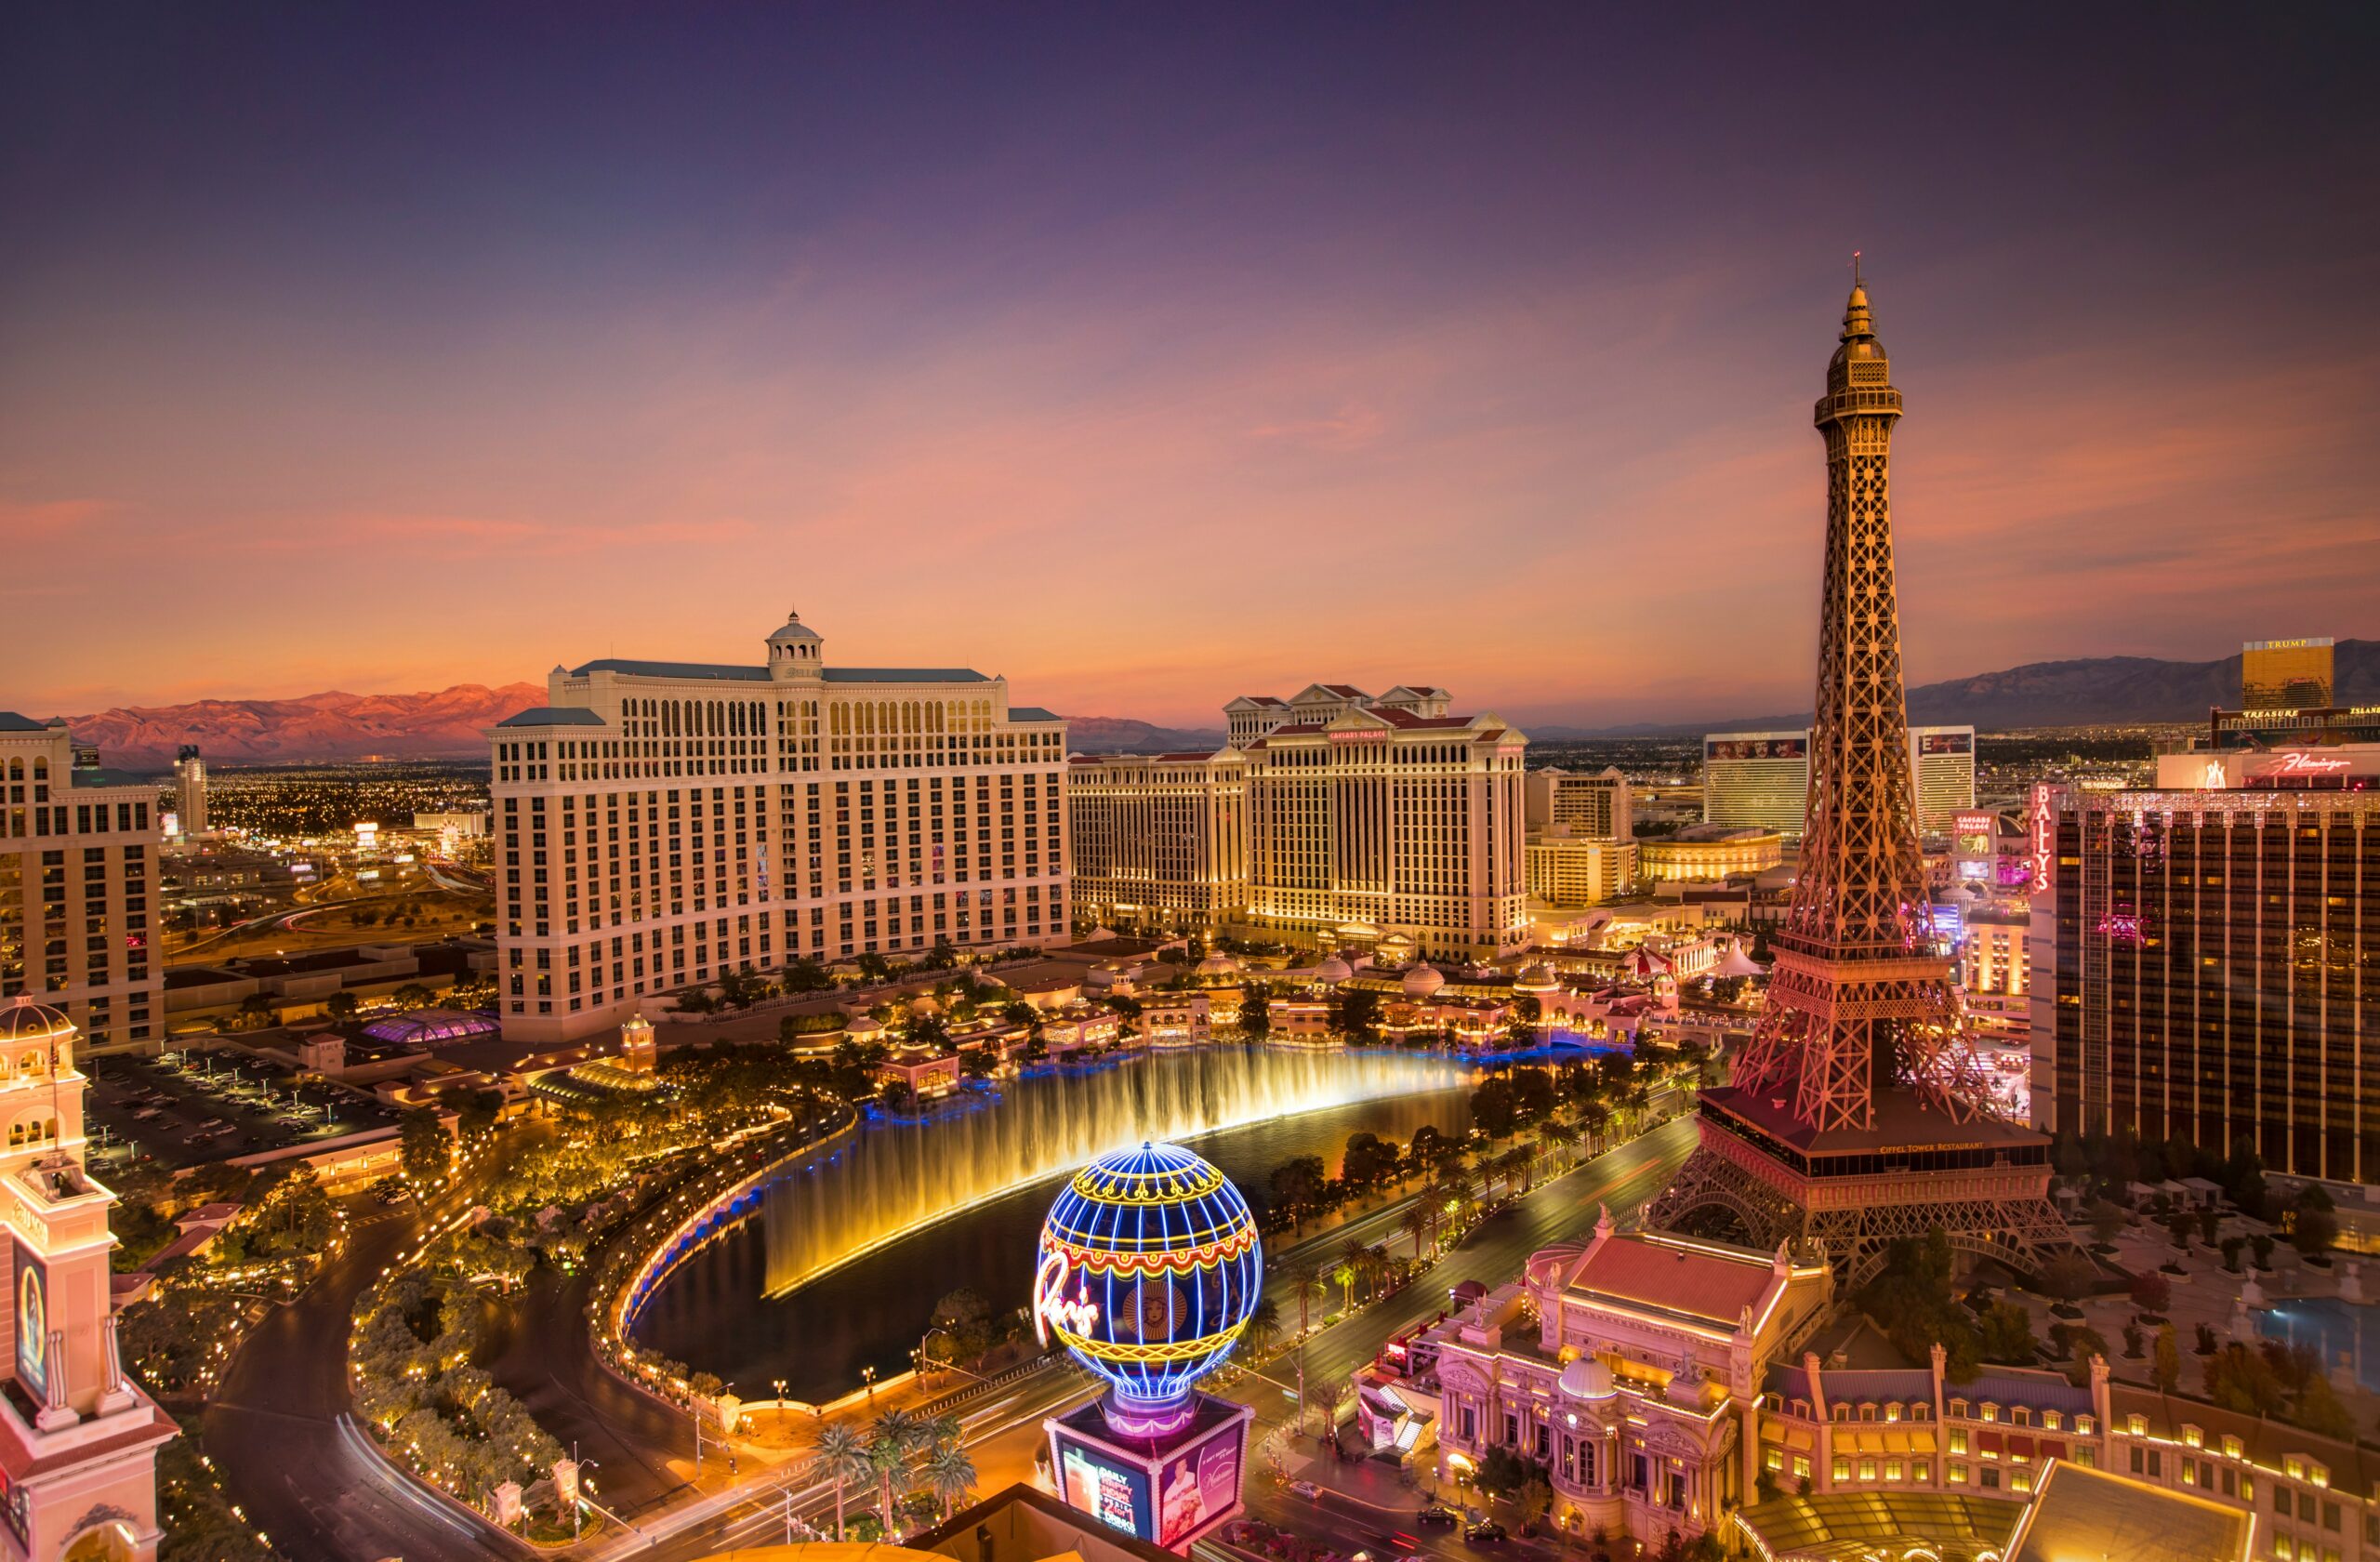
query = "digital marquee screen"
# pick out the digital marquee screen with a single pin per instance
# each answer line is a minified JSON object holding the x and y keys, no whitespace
{"x":1755,"y":748}
{"x":1097,"y":1483}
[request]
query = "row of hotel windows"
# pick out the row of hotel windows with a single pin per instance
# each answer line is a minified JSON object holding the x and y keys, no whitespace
{"x":87,"y":818}
{"x":1918,"y":1410}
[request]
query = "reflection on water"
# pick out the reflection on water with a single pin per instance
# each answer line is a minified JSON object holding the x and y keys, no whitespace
{"x":725,"y":1310}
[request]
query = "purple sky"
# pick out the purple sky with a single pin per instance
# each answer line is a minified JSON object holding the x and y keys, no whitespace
{"x":1152,"y":358}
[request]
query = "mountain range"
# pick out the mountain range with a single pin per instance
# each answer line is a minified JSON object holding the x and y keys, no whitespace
{"x":449,"y":724}
{"x":446,"y":723}
{"x":2097,"y":691}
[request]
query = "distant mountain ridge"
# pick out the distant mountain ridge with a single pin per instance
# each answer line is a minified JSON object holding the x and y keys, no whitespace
{"x":2089,"y":691}
{"x":1122,"y":734}
{"x":449,"y":724}
{"x":439,"y":724}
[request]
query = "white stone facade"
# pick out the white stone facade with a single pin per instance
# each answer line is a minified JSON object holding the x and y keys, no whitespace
{"x":660,"y":824}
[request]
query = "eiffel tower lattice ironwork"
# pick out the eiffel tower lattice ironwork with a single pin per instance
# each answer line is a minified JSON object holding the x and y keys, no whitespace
{"x":1860,"y":1110}
{"x":1858,"y":997}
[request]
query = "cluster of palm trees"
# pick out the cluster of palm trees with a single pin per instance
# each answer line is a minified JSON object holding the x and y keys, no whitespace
{"x":900,"y":1447}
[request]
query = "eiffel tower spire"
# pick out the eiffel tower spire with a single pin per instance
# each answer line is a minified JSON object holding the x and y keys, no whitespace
{"x":1859,"y":1112}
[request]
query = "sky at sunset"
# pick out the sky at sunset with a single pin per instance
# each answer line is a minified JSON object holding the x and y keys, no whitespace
{"x":1153,"y":354}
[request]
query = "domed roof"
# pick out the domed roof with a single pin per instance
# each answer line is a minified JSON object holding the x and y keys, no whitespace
{"x":1218,"y":964}
{"x":866,"y":1024}
{"x":925,"y":1003}
{"x":1423,"y":981}
{"x":26,"y":1021}
{"x":1586,"y":1378}
{"x":1334,"y":969}
{"x":794,"y":630}
{"x":1535,"y":974}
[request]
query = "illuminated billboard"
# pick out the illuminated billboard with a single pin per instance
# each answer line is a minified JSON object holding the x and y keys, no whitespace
{"x":1169,"y":1498}
{"x":1755,"y":748}
{"x":1200,"y":1485}
{"x":32,"y":1323}
{"x":1104,"y":1486}
{"x":1946,"y":743}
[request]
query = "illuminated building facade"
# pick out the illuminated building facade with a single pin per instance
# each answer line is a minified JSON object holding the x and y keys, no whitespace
{"x":1700,"y":852}
{"x":1636,"y":1382}
{"x":2285,"y":674}
{"x":78,"y":846}
{"x":1158,"y":842}
{"x":190,"y":789}
{"x":1380,"y":821}
{"x":660,"y":824}
{"x":1570,"y":872}
{"x":1762,"y":779}
{"x":78,"y":1438}
{"x":1859,"y":1111}
{"x":1598,"y":807}
{"x":2213,"y":948}
{"x":1942,"y":761}
{"x":1756,"y":780}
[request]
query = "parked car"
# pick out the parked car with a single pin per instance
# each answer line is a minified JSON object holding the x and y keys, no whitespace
{"x":1438,"y":1514}
{"x":1484,"y":1531}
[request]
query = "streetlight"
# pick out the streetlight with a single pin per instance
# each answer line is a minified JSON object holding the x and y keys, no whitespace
{"x":778,"y":1383}
{"x":867,"y":1376}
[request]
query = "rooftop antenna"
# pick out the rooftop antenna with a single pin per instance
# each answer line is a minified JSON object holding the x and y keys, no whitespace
{"x":1857,"y":281}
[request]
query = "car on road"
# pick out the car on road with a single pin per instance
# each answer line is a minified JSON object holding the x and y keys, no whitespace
{"x":1484,"y":1531}
{"x":1439,"y":1514}
{"x":1306,"y":1489}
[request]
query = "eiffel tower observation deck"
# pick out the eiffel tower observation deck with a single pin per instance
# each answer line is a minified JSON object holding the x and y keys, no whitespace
{"x":1859,"y":1111}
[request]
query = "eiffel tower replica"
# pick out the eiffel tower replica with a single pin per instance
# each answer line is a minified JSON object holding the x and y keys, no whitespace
{"x":1860,"y":1112}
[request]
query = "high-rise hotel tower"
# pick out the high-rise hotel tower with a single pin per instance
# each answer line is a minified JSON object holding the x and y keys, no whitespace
{"x":661,"y":824}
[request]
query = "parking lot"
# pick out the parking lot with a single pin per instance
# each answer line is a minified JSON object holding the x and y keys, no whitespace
{"x":209,"y":1104}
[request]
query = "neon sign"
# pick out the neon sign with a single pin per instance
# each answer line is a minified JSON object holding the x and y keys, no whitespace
{"x":1052,"y":1306}
{"x":2044,"y":819}
{"x":2295,"y":763}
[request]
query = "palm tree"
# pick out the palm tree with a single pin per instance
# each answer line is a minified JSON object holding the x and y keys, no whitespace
{"x":894,"y":1436}
{"x":943,"y":1431}
{"x":1328,"y":1392}
{"x":1518,"y":1163}
{"x":1594,"y":1117}
{"x":842,"y":1456}
{"x":1263,"y":1329}
{"x":1458,"y":1191}
{"x":1355,"y":1264}
{"x":1414,"y":1223}
{"x":1564,"y":1136}
{"x":1305,"y":1280}
{"x":950,"y":1475}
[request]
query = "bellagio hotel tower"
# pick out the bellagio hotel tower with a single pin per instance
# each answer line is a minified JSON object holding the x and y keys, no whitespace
{"x":662,"y":823}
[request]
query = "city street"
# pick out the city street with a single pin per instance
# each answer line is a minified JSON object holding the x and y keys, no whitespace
{"x":291,"y":1454}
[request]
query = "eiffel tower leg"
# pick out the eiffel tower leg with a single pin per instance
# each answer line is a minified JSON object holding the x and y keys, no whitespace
{"x":1709,"y":1186}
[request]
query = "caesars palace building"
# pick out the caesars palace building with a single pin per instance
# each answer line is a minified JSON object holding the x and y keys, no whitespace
{"x":660,"y":824}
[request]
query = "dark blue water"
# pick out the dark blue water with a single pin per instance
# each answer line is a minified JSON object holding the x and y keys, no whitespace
{"x":713,"y":1314}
